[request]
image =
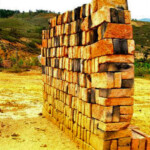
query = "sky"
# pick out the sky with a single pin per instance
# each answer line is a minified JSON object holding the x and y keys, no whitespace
{"x":139,"y":8}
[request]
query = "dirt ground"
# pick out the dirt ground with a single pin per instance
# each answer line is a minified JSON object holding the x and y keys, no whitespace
{"x":21,"y":126}
{"x":141,"y":116}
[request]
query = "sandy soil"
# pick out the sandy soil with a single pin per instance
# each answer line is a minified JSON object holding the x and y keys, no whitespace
{"x":141,"y":117}
{"x":21,"y":125}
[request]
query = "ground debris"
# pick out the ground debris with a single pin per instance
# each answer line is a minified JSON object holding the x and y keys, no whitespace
{"x":43,"y":145}
{"x":15,"y":135}
{"x":1,"y":111}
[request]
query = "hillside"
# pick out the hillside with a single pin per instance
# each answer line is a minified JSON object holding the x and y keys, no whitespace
{"x":141,"y":32}
{"x":22,"y":32}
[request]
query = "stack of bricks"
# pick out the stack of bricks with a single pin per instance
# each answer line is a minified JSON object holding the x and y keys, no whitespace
{"x":88,"y":74}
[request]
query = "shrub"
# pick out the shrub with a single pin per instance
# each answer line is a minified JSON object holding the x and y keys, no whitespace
{"x":13,"y":60}
{"x":32,"y":44}
{"x":20,"y":63}
{"x":1,"y":60}
{"x":142,"y":67}
{"x":35,"y":61}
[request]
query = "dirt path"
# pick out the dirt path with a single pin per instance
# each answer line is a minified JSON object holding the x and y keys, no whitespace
{"x":21,"y":126}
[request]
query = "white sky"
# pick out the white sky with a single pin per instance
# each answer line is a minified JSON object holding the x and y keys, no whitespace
{"x":139,"y":8}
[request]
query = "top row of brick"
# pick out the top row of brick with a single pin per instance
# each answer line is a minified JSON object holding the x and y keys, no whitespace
{"x":86,"y":10}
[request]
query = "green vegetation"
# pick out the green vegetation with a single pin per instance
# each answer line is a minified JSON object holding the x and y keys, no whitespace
{"x":142,"y":67}
{"x":8,"y":13}
{"x":20,"y":65}
{"x":24,"y":25}
{"x":142,"y":34}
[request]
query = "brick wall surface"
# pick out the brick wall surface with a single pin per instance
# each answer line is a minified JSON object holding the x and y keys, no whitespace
{"x":88,"y":75}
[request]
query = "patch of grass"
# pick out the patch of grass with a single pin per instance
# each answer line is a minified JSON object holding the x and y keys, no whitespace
{"x":142,"y":68}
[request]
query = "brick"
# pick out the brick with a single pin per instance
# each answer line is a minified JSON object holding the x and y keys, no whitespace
{"x":113,"y":101}
{"x":85,"y":25}
{"x":44,"y":43}
{"x":43,"y":61}
{"x":131,"y":46}
{"x":123,"y":31}
{"x":116,"y":67}
{"x":59,"y":19}
{"x":87,"y":9}
{"x":101,"y":48}
{"x":124,"y":148}
{"x":116,"y":114}
{"x":117,"y":59}
{"x":99,"y":17}
{"x":88,"y":124}
{"x":117,"y":16}
{"x":146,"y":136}
{"x":113,"y":3}
{"x":124,"y":141}
{"x":138,"y":141}
{"x":117,"y":80}
{"x":127,"y":16}
{"x":113,"y":126}
{"x":112,"y":93}
{"x":125,"y":118}
{"x":102,"y":113}
{"x":108,"y":135}
{"x":127,"y":83}
{"x":114,"y":145}
{"x":126,"y":110}
{"x":120,"y":46}
{"x":102,"y":80}
{"x":97,"y":143}
{"x":88,"y":109}
{"x":94,"y":6}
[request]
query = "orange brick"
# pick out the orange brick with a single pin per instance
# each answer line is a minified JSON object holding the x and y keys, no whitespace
{"x":123,"y":31}
{"x":117,"y":59}
{"x":43,"y":61}
{"x":126,"y":110}
{"x":112,"y":3}
{"x":101,"y":48}
{"x":116,"y":93}
{"x":113,"y":145}
{"x":125,"y":118}
{"x":44,"y":43}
